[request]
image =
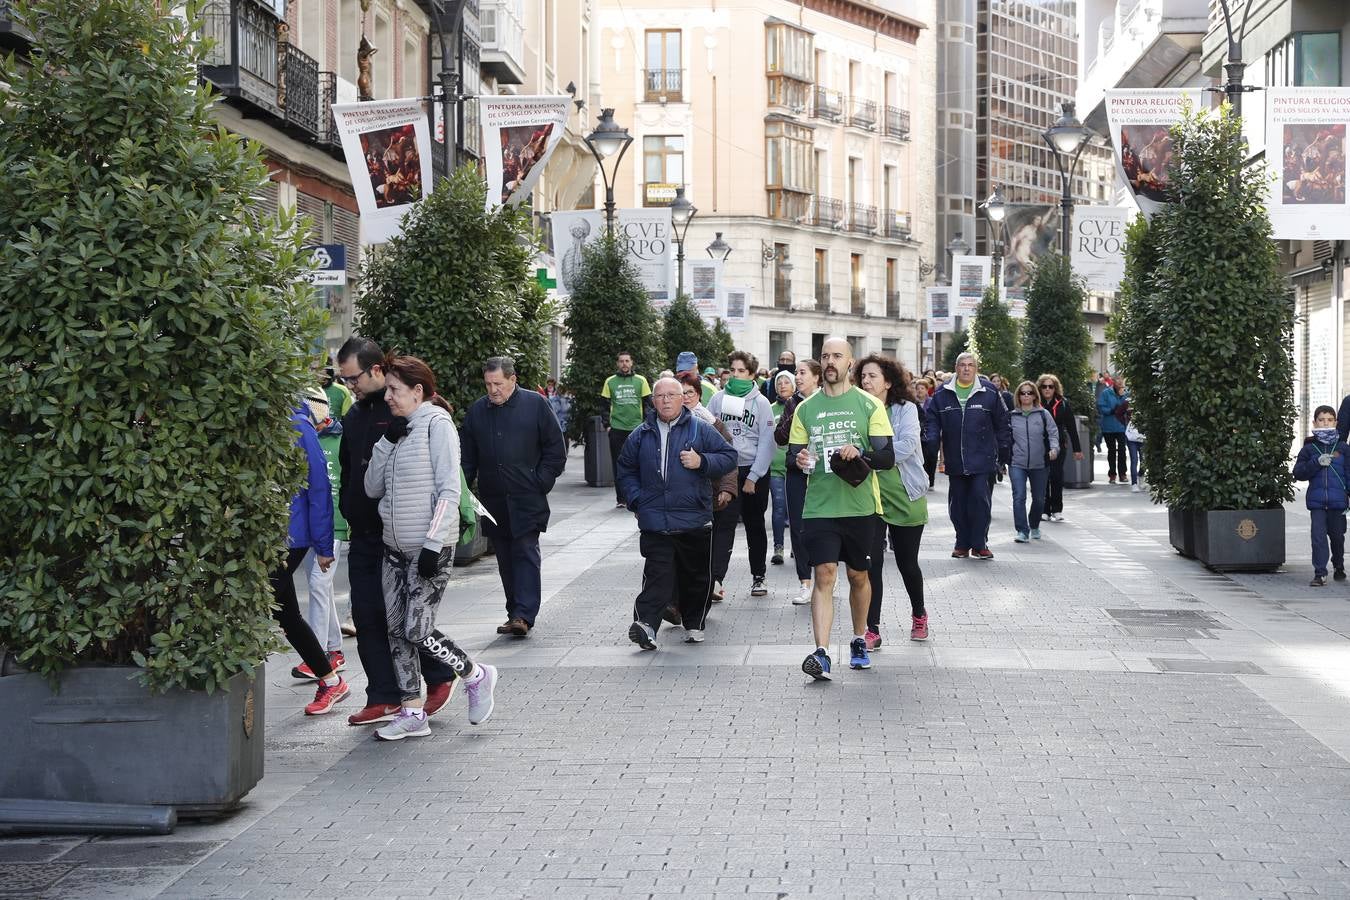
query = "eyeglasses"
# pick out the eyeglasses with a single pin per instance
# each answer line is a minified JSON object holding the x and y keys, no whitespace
{"x":353,"y":379}
{"x":664,"y":396}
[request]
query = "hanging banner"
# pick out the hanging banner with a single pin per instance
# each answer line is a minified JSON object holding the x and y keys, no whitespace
{"x":1305,"y":145}
{"x":970,"y":278}
{"x":645,"y":234}
{"x":703,"y":282}
{"x":519,"y":134}
{"x":1030,"y":232}
{"x":1139,"y":121}
{"x":940,"y":319}
{"x":737,"y":304}
{"x":1099,"y":245}
{"x":388,"y":152}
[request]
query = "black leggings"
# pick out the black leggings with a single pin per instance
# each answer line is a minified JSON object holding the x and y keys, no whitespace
{"x":905,"y":542}
{"x":930,"y":456}
{"x":796,"y":499}
{"x":287,"y":613}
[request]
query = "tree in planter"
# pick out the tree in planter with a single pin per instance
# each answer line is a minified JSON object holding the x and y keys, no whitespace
{"x":994,"y":338}
{"x":458,"y":286}
{"x":957,"y":344}
{"x":608,"y":311}
{"x":1134,"y":332}
{"x":684,"y":329}
{"x":153,"y":341}
{"x":1055,"y":338}
{"x":1221,"y":362}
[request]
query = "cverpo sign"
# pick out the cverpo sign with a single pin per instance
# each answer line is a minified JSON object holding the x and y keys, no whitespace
{"x":1099,"y":245}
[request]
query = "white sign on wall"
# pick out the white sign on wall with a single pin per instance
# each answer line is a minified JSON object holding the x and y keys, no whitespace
{"x":940,"y":318}
{"x":970,"y":278}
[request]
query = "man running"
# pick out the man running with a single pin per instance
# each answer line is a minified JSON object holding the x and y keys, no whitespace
{"x":839,"y":434}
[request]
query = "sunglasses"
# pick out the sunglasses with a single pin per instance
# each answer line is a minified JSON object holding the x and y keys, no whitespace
{"x":1026,"y":393}
{"x":353,"y":379}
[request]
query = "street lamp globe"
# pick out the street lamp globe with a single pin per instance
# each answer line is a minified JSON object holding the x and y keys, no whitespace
{"x":719,"y":249}
{"x":1067,"y":134}
{"x":681,"y":211}
{"x":957,"y":246}
{"x":608,"y":138}
{"x":995,"y":209}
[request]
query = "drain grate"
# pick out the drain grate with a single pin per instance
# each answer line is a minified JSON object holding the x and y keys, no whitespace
{"x":1172,"y":623}
{"x":27,"y":879}
{"x":1207,"y":666}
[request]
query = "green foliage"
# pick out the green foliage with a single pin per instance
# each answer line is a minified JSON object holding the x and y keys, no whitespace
{"x":607,"y":312}
{"x":1222,"y":363}
{"x":1134,"y":331}
{"x":1055,"y":337}
{"x":995,"y":340}
{"x":458,"y":286}
{"x":955,"y":344}
{"x":722,"y":346}
{"x":153,"y":341}
{"x":684,"y":329}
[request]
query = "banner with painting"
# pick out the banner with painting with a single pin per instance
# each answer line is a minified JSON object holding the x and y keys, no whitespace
{"x":1305,"y":146}
{"x":971,"y":276}
{"x":519,"y":134}
{"x":388,"y":150}
{"x":646,"y":236}
{"x":1139,"y":121}
{"x":940,"y":317}
{"x":1099,"y":245}
{"x":1029,"y":232}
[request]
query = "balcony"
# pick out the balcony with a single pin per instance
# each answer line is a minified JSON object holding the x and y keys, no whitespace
{"x":664,"y":85}
{"x":892,"y":304}
{"x":782,"y":291}
{"x":862,"y":218}
{"x":857,"y":301}
{"x":826,"y":104}
{"x":242,"y":62}
{"x":896,"y":123}
{"x":825,"y":212}
{"x":328,"y":134}
{"x":12,"y":34}
{"x":895,"y":225}
{"x":862,"y":113}
{"x":298,"y":89}
{"x":502,"y":51}
{"x":822,"y":297}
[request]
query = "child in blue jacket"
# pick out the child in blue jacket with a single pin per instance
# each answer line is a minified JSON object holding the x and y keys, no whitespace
{"x":1322,"y":463}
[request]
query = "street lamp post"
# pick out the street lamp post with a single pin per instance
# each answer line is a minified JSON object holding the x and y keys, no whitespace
{"x":682,"y":212}
{"x":995,"y":210}
{"x":445,"y":19}
{"x":1067,"y":138}
{"x":719,"y":249}
{"x":605,"y":141}
{"x":957,"y":246}
{"x":1235,"y":67}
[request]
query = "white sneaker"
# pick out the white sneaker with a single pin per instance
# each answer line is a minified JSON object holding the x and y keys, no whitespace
{"x":804,"y":597}
{"x":693,"y":636}
{"x":480,"y":695}
{"x":407,"y":724}
{"x":1134,"y":488}
{"x":719,"y":593}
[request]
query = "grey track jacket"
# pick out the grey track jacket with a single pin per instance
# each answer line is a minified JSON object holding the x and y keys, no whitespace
{"x":417,"y":483}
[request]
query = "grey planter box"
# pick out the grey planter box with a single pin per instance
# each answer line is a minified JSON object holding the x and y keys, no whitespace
{"x":103,"y":738}
{"x":1078,"y":472}
{"x":1242,"y":540}
{"x":599,"y":467}
{"x":1181,"y":531}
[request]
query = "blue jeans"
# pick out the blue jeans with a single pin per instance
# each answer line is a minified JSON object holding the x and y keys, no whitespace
{"x":778,"y":488}
{"x":1020,"y":477}
{"x":1327,"y":525}
{"x":1134,"y":447}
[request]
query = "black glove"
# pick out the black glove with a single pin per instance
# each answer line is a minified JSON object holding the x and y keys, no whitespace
{"x":397,"y":429}
{"x":428,"y":563}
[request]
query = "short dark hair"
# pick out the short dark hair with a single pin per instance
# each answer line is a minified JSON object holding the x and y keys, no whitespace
{"x":1323,"y":409}
{"x":504,"y":364}
{"x":891,"y":371}
{"x":366,"y":351}
{"x":744,"y":356}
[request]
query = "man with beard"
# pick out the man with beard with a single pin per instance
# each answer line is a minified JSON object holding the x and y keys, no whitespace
{"x":839,"y":435}
{"x":626,"y":400}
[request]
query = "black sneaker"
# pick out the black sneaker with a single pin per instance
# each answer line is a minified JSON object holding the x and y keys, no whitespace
{"x":672,"y":615}
{"x":1318,"y":581}
{"x":777,"y":558}
{"x":643,"y":635}
{"x":1339,"y":575}
{"x":758,"y":588}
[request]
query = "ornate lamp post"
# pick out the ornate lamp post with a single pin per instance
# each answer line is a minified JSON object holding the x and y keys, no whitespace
{"x":1067,"y":138}
{"x":682,"y":212}
{"x":995,"y":210}
{"x":719,"y":249}
{"x":605,"y":141}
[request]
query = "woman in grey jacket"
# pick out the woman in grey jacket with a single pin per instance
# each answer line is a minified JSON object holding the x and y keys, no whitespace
{"x":414,"y":473}
{"x":1035,"y":445}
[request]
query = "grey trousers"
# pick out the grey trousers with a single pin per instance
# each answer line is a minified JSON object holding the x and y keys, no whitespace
{"x":410,"y":603}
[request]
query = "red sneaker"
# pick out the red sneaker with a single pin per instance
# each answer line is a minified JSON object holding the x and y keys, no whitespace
{"x":983,"y":553}
{"x":327,"y":696}
{"x":337,"y":660}
{"x":873,"y":640}
{"x":376,"y":712}
{"x":304,"y":673}
{"x":919,"y":631}
{"x":960,"y":553}
{"x":438,"y":695}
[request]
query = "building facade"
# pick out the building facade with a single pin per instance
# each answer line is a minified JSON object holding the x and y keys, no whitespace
{"x":803,"y":133}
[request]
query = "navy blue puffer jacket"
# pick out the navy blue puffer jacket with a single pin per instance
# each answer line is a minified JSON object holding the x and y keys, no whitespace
{"x":681,"y":500}
{"x":1326,"y":484}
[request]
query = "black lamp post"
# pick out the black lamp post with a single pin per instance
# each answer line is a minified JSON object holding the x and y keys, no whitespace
{"x":719,"y":249}
{"x":1235,"y":67}
{"x":995,"y":210}
{"x":605,"y":141}
{"x":682,"y":212}
{"x":445,"y":19}
{"x":957,"y":246}
{"x":1067,"y":138}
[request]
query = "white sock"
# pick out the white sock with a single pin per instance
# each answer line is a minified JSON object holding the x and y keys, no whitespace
{"x":476,"y":675}
{"x":860,"y":637}
{"x":331,"y":679}
{"x":415,"y":712}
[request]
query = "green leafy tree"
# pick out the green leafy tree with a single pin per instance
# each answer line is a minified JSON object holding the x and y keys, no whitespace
{"x":608,"y":311}
{"x":458,"y":286}
{"x":153,"y":341}
{"x":955,"y":344}
{"x":1223,"y":355}
{"x":1134,"y":331}
{"x":684,"y":329}
{"x":994,"y":338}
{"x":1055,"y":338}
{"x":722,"y":345}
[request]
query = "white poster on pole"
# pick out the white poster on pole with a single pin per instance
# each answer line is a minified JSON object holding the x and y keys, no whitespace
{"x":703,"y":283}
{"x":940,"y":318}
{"x":1305,"y":146}
{"x":1099,"y":245}
{"x":645,"y":234}
{"x":388,"y":152}
{"x":1139,"y":120}
{"x":519,"y":134}
{"x":738,"y":299}
{"x":970,"y":278}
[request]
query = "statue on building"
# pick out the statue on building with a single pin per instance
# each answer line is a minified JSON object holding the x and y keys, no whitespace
{"x":363,"y":78}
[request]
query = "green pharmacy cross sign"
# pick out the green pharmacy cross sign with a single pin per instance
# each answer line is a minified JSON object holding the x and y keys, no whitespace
{"x":541,"y":276}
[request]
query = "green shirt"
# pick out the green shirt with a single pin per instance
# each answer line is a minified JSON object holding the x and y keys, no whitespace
{"x":963,"y":393}
{"x":339,"y":399}
{"x":625,"y":394}
{"x":826,"y":424}
{"x":778,"y":466}
{"x":329,"y":443}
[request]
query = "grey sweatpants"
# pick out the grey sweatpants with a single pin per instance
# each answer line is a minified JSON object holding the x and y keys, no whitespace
{"x":410,"y":603}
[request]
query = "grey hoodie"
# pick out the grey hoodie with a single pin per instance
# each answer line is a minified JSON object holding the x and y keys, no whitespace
{"x":751,"y":429}
{"x":417,"y":483}
{"x":1029,"y":435}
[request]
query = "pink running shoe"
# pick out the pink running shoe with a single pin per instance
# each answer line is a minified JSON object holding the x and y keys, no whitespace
{"x":919,"y":632}
{"x":873,"y":640}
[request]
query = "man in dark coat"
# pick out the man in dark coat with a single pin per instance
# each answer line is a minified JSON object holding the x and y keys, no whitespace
{"x":511,"y":443}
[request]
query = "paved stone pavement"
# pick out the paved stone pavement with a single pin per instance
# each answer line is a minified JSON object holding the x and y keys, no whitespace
{"x":1094,"y":716}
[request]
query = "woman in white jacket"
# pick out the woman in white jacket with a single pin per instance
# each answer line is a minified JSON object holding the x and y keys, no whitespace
{"x":414,"y":473}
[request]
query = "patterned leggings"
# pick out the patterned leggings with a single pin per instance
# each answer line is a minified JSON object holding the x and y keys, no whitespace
{"x":410,"y":603}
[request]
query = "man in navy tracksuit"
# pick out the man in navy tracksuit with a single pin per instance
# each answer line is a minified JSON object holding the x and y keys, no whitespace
{"x":665,"y":469}
{"x":967,"y":416}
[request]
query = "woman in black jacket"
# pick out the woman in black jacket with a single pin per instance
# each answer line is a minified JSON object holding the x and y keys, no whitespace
{"x":1052,"y":398}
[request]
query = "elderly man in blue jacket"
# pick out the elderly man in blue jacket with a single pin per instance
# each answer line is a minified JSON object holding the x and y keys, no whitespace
{"x":666,"y":469}
{"x":967,"y":416}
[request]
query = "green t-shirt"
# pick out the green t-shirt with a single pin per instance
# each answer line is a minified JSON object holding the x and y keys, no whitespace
{"x":708,"y":391}
{"x":625,"y":394}
{"x":896,"y":507}
{"x":778,"y":466}
{"x":963,"y":393}
{"x":329,"y":443}
{"x":826,"y":424}
{"x":339,"y":399}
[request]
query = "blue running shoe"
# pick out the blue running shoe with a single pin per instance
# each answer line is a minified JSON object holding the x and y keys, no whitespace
{"x":817,"y":665}
{"x":858,"y":658}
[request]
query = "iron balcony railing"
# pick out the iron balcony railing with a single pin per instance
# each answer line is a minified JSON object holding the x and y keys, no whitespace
{"x":826,"y":104}
{"x":862,"y":113}
{"x":327,"y":97}
{"x":897,"y":123}
{"x":857,"y":298}
{"x":862,"y":218}
{"x":825,"y":212}
{"x":895,"y":225}
{"x":892,"y":304}
{"x":242,"y":61}
{"x":782,"y":291}
{"x":298,"y":89}
{"x":664,"y":85}
{"x":822,"y":297}
{"x":12,"y":34}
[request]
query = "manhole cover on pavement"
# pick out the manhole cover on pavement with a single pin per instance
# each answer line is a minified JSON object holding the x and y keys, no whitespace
{"x":26,"y":879}
{"x":1180,"y":623}
{"x":1207,"y":666}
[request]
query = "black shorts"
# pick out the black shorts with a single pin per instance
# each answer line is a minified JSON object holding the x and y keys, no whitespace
{"x":848,"y":539}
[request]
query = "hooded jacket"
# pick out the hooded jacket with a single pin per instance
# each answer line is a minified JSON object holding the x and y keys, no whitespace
{"x":975,"y":439}
{"x":1326,"y":484}
{"x":417,"y":483}
{"x":673,"y":499}
{"x":311,"y":523}
{"x":751,"y":430}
